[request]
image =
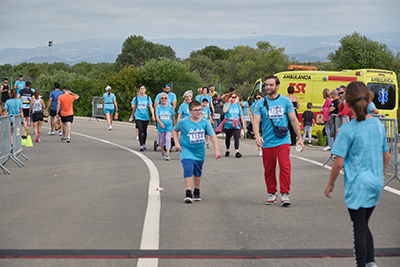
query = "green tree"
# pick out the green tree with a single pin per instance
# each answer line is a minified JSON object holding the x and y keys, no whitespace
{"x":136,"y":51}
{"x":213,"y":52}
{"x":357,"y":51}
{"x":203,"y":66}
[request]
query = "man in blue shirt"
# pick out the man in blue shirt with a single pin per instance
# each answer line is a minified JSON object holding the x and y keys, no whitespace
{"x":53,"y":103}
{"x":275,"y":110}
{"x":20,"y":84}
{"x":171,"y":97}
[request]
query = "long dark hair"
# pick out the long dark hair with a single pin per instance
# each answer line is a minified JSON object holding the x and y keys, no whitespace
{"x":357,"y":97}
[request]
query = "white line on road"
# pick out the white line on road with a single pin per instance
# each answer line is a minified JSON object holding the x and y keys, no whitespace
{"x":151,"y":225}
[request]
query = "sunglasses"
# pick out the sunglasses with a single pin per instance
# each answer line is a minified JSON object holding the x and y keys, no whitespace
{"x":233,"y":96}
{"x":163,"y":97}
{"x":167,"y":85}
{"x":259,"y":98}
{"x":197,"y":110}
{"x":341,"y":93}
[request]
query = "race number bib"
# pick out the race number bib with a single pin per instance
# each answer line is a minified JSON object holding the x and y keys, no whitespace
{"x":204,"y":114}
{"x":142,"y":106}
{"x":276,"y":112}
{"x":164,"y":117}
{"x":217,"y":116}
{"x":197,"y":136}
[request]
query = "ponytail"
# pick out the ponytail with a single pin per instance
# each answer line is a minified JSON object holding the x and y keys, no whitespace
{"x":357,"y":97}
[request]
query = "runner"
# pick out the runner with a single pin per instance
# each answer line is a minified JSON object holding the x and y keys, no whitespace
{"x":191,"y":148}
{"x":36,"y":109}
{"x":361,"y":147}
{"x":109,"y":101}
{"x":5,"y":94}
{"x":140,"y":110}
{"x":53,"y":104}
{"x":20,"y":84}
{"x":165,"y":116}
{"x":26,"y":95}
{"x":65,"y":104}
{"x":13,"y":107}
{"x":183,"y":110}
{"x":205,"y":95}
{"x":275,"y":110}
{"x":171,"y":97}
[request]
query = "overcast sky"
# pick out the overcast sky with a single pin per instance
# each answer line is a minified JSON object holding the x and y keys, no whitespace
{"x":32,"y":23}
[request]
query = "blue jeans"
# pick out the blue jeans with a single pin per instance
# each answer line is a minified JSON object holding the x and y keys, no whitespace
{"x":328,"y":131}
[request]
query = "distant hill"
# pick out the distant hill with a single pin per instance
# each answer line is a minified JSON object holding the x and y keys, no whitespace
{"x":303,"y":49}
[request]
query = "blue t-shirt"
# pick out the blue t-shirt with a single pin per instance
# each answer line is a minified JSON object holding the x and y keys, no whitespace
{"x":362,"y":145}
{"x":193,"y":137}
{"x":205,"y":114}
{"x":165,"y":115}
{"x":208,"y":97}
{"x":246,"y":110}
{"x":142,"y":105}
{"x":54,"y":96}
{"x":20,"y":84}
{"x":234,"y":113}
{"x":278,"y":110}
{"x":184,"y":110}
{"x":13,"y":107}
{"x":171,"y":98}
{"x":108,"y":101}
{"x":371,"y":107}
{"x":253,"y":106}
{"x":198,"y":97}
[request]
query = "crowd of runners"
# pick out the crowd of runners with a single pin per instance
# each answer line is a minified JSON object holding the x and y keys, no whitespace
{"x":275,"y":124}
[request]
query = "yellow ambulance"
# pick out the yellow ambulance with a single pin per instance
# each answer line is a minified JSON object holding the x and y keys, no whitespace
{"x":309,"y":84}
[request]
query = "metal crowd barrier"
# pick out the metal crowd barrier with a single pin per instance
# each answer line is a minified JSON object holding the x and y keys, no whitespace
{"x":17,"y":141}
{"x":393,"y":141}
{"x":97,"y":108}
{"x":5,"y":141}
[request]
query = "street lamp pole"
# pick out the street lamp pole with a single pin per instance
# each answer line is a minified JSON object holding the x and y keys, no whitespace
{"x":50,"y":45}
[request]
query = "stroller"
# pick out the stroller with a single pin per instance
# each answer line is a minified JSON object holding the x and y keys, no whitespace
{"x":156,"y":144}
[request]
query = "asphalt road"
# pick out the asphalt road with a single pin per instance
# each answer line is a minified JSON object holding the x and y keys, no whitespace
{"x":90,"y":203}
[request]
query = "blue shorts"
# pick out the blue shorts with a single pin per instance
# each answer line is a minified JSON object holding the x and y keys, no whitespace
{"x":192,"y":167}
{"x":108,"y":110}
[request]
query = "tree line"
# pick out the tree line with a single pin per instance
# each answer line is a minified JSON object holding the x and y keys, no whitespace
{"x":144,"y":62}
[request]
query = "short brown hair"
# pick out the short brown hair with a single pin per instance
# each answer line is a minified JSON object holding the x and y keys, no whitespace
{"x":194,"y":104}
{"x":309,"y":105}
{"x":275,"y":78}
{"x":290,"y":90}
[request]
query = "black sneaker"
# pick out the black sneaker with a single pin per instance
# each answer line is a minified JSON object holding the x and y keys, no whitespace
{"x":196,"y":195}
{"x":227,"y":154}
{"x":238,"y":155}
{"x":189,"y":197}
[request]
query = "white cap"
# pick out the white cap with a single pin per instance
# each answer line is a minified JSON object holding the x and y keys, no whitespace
{"x":108,"y":88}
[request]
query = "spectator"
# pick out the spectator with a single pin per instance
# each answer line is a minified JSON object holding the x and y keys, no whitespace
{"x":275,"y":111}
{"x":5,"y":93}
{"x":308,"y":122}
{"x":364,"y":162}
{"x":296,"y":105}
{"x":183,"y":110}
{"x":371,"y":106}
{"x":257,"y":96}
{"x":109,"y":101}
{"x":211,"y":89}
{"x":325,"y":113}
{"x":344,"y":109}
{"x":217,"y":103}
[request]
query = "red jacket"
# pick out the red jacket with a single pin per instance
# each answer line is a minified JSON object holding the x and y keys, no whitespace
{"x":344,"y":110}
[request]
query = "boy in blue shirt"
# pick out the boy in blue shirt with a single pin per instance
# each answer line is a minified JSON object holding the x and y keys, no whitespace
{"x":191,"y":148}
{"x":206,"y":114}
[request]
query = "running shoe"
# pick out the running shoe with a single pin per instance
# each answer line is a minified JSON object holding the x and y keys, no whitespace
{"x":309,"y":144}
{"x":144,"y":147}
{"x":36,"y":138}
{"x":260,"y":153}
{"x":196,"y":195}
{"x":141,"y":148}
{"x":208,"y":145}
{"x":227,"y":154}
{"x":271,"y":199}
{"x":52,"y":133}
{"x":189,"y":197}
{"x":137,"y":137}
{"x":59,"y":133}
{"x":167,"y":158}
{"x":285,"y":200}
{"x":63,"y":139}
{"x":371,"y":264}
{"x":238,"y":155}
{"x":110,"y":128}
{"x":39,"y":141}
{"x":327,"y":148}
{"x":162,"y":155}
{"x":68,"y":140}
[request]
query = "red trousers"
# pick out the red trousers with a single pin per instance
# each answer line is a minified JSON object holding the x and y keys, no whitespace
{"x":269,"y":156}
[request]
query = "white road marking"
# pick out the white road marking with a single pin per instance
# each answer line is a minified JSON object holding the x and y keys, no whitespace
{"x":151,"y":225}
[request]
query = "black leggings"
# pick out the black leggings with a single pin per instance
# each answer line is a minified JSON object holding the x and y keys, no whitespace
{"x":229,"y":133}
{"x":363,"y":241}
{"x":142,"y":126}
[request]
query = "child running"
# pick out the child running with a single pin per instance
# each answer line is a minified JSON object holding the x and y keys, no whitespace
{"x":362,"y":148}
{"x":191,"y":148}
{"x":165,"y":116}
{"x":206,"y":114}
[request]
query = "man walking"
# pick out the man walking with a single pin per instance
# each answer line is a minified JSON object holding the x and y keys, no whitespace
{"x":26,"y":95}
{"x":171,"y":97}
{"x":65,"y":104}
{"x":20,"y":84}
{"x":275,"y":110}
{"x":53,"y":103}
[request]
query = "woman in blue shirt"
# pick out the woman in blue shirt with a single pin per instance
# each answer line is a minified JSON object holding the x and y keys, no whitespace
{"x":140,"y":109}
{"x":183,"y":110}
{"x":13,"y":106}
{"x":208,"y":97}
{"x":361,"y":147}
{"x":109,"y":101}
{"x":233,"y":115}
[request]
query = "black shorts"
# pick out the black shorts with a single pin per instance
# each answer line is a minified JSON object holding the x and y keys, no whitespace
{"x":53,"y":113}
{"x":37,"y":117}
{"x":26,"y":112}
{"x":4,"y":98}
{"x":67,"y":119}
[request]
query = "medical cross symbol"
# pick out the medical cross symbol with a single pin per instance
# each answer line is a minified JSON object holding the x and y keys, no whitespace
{"x":383,"y":96}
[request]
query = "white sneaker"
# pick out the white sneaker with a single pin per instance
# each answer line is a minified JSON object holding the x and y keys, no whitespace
{"x":167,"y":158}
{"x":59,"y":133}
{"x":207,"y":145}
{"x":137,"y":137}
{"x":285,"y":199}
{"x":219,"y":135}
{"x":163,"y":155}
{"x":110,"y":128}
{"x":52,"y":133}
{"x":271,"y":199}
{"x":309,"y":144}
{"x":371,"y":264}
{"x":260,"y":153}
{"x":327,"y":148}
